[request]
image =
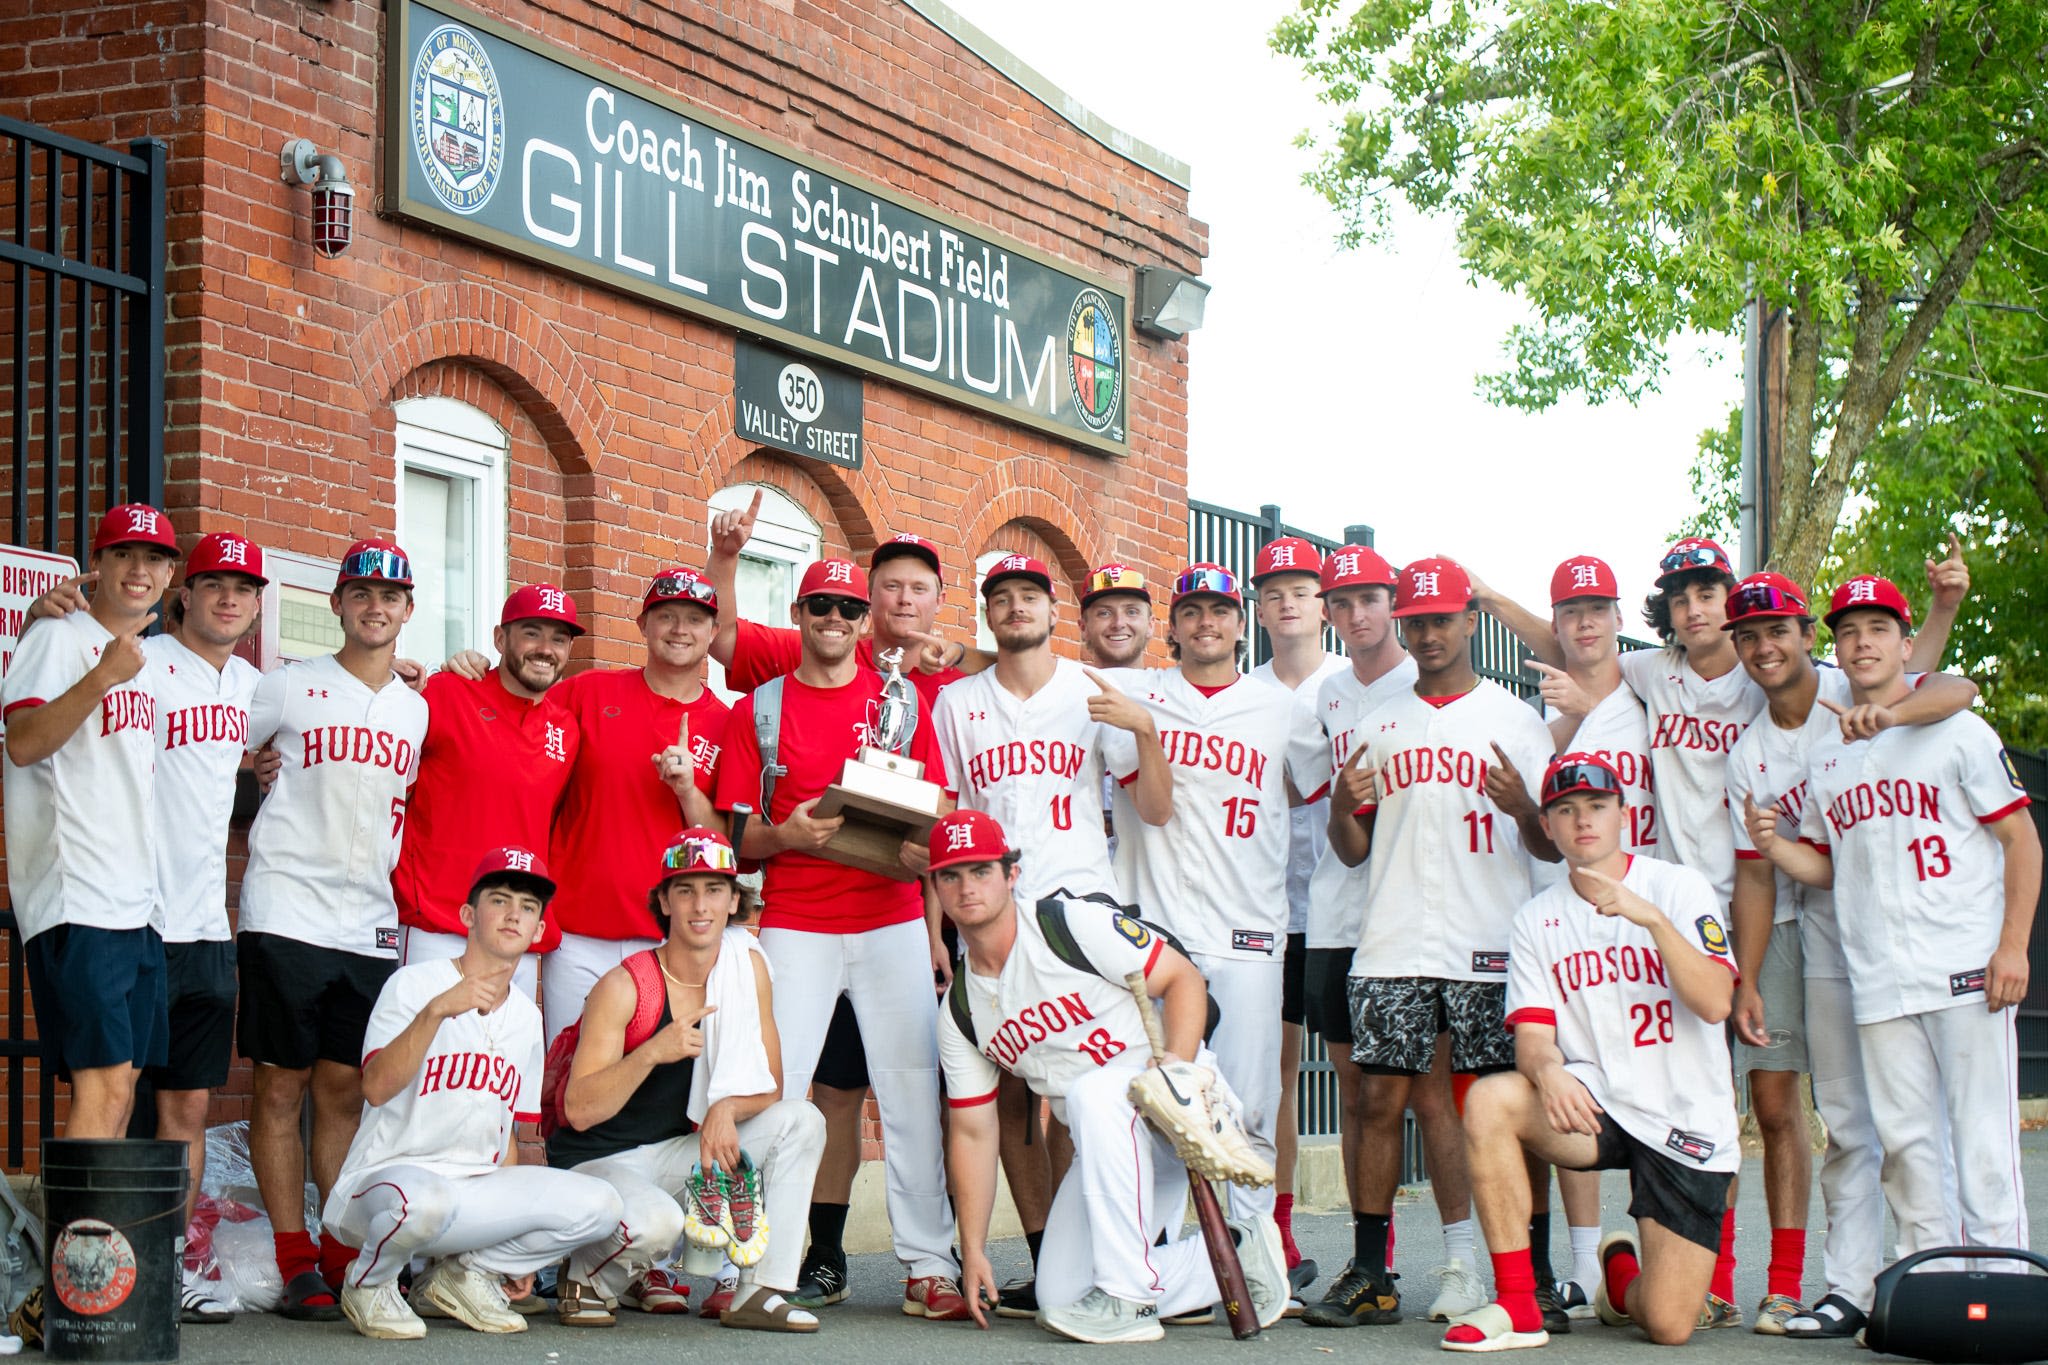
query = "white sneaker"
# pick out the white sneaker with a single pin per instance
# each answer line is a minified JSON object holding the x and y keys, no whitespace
{"x":380,"y":1311}
{"x":1463,"y":1292}
{"x":1264,"y":1259}
{"x":473,"y":1297}
{"x":1100,"y":1318}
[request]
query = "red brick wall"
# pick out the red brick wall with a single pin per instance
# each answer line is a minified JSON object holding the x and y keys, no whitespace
{"x":283,"y":367}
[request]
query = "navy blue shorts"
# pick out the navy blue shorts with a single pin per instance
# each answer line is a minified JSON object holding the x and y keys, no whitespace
{"x":99,"y":997}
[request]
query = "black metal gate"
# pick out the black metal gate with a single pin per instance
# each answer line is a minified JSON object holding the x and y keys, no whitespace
{"x":81,"y":395}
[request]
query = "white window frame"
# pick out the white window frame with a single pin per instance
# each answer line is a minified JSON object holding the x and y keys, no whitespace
{"x":447,"y":437}
{"x":784,"y":533}
{"x":288,"y":570}
{"x":984,"y":638}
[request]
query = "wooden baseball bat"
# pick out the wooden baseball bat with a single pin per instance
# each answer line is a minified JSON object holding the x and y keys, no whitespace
{"x":1237,"y":1299}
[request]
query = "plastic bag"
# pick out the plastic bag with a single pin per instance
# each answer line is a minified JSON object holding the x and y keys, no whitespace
{"x":231,"y":1238}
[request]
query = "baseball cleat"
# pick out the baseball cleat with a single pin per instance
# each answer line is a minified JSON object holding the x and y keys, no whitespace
{"x":1102,"y":1319}
{"x":704,"y":1208}
{"x":746,"y":1221}
{"x":1462,"y":1292}
{"x":1189,"y":1106}
{"x":380,"y":1312}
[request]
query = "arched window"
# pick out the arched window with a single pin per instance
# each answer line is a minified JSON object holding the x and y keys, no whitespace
{"x":451,"y":521}
{"x":984,"y":638}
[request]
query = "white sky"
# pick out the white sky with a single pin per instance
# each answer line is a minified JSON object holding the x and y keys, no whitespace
{"x":1342,"y":385}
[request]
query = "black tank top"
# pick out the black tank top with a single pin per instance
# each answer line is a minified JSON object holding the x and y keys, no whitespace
{"x":656,"y":1112}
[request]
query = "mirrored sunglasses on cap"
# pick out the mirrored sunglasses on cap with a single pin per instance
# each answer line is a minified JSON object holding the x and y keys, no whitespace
{"x":389,"y":565}
{"x":1692,"y":557}
{"x":1117,"y":580}
{"x":1568,"y":776}
{"x":1764,"y":599}
{"x":700,"y":855}
{"x":676,"y":588}
{"x":1221,"y":582}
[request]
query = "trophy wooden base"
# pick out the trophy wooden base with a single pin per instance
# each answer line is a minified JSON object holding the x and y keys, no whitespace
{"x":884,"y":802}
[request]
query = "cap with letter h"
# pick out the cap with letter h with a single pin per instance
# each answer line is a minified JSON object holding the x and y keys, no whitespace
{"x":225,"y":552}
{"x":1583,"y":576}
{"x":1288,"y":554}
{"x":1868,"y":592}
{"x":135,"y":523}
{"x":512,"y":863}
{"x":907,"y":543}
{"x":1018,"y":566}
{"x":1356,"y":566}
{"x":678,"y":584}
{"x":834,"y":578}
{"x":967,"y":836}
{"x":541,"y":602}
{"x":1432,"y":587}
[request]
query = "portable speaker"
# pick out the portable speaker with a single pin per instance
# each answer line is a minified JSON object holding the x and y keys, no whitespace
{"x":1962,"y":1315}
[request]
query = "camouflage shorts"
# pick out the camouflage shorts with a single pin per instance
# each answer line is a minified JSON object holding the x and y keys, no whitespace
{"x":1395,"y":1021}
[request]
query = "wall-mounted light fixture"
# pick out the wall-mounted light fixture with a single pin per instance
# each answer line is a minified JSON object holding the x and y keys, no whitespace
{"x":334,"y":199}
{"x":1170,"y":303}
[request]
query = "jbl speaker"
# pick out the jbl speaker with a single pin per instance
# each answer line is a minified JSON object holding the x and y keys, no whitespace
{"x":1962,"y":1315}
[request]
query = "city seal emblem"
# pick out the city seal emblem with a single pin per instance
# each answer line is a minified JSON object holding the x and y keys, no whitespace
{"x":1095,"y":363}
{"x":458,"y":118}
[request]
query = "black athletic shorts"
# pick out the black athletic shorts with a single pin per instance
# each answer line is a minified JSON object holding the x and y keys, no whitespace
{"x":843,"y":1061}
{"x":1677,"y":1194}
{"x":302,"y":1003}
{"x":99,"y":996}
{"x":1292,"y":968}
{"x":1327,"y":997}
{"x":201,"y":983}
{"x":1395,"y":1021}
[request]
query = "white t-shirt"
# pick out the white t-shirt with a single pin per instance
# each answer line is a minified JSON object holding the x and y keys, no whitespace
{"x":1919,"y":879}
{"x":325,"y":841}
{"x":1214,"y":873}
{"x":1447,"y":869}
{"x":1660,"y":1070}
{"x":481,"y":1073}
{"x":1336,"y":893}
{"x":202,"y":728}
{"x":1308,"y":832}
{"x":1035,"y":764}
{"x":81,"y":836}
{"x":1045,"y":1019}
{"x":1694,"y":723}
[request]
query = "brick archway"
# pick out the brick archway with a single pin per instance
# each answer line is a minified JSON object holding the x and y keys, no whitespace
{"x":1046,"y":504}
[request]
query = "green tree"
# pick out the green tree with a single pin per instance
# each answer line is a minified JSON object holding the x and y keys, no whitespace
{"x":1637,"y":169}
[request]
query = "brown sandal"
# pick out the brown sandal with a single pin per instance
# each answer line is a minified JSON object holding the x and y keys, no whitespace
{"x":752,"y":1314}
{"x":578,"y":1305}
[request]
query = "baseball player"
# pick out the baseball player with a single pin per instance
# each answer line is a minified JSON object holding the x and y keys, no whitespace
{"x":1432,"y":790}
{"x":1287,"y":583}
{"x":831,"y":929}
{"x":1619,"y":984}
{"x":498,"y":753}
{"x":1116,"y":617}
{"x":1240,"y":754}
{"x":1924,"y":830}
{"x":80,"y":700}
{"x":319,"y":931}
{"x":1041,"y":996}
{"x":451,"y":1058}
{"x":693,"y":1112}
{"x":1023,"y":743}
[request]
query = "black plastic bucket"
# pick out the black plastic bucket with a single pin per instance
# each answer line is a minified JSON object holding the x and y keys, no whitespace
{"x":113,"y":1211}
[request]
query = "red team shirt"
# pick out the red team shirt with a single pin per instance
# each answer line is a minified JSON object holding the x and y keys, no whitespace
{"x":491,"y":771}
{"x":617,"y":815}
{"x":762,"y":652}
{"x":820,"y":729}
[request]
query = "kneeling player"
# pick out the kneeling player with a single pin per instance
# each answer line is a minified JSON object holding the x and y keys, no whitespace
{"x":1041,"y":996}
{"x":451,"y":1058}
{"x":1619,"y":980}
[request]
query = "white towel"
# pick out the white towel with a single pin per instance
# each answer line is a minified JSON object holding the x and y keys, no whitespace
{"x":742,"y":1067}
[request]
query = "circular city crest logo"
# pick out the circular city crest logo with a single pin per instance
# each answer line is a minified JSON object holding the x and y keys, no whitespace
{"x":458,"y":118}
{"x":1095,"y":360}
{"x":92,"y":1267}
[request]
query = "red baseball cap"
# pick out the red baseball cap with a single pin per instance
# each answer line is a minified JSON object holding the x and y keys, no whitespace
{"x":1694,"y":552}
{"x":967,"y":836}
{"x":1766,"y":596}
{"x":904,"y":543}
{"x":677,"y":584}
{"x":379,"y":561}
{"x":541,"y":602}
{"x":515,"y":862}
{"x":1206,"y":580}
{"x":834,"y":578}
{"x":1432,"y":587}
{"x":1867,"y":591}
{"x":1583,"y":576}
{"x":1579,"y":772}
{"x":225,"y":552}
{"x":1114,"y":578}
{"x":1289,"y":554}
{"x":1018,"y":566}
{"x":696,"y":850}
{"x":1355,"y":566}
{"x":135,"y":523}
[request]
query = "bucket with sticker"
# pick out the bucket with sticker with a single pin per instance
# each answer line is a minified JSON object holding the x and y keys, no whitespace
{"x":113,"y":1211}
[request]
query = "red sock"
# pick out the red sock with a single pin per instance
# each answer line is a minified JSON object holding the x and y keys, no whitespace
{"x":1514,"y":1289}
{"x":1621,"y":1269}
{"x":1788,"y":1262}
{"x":334,"y":1259}
{"x":296,"y":1254}
{"x":1722,"y":1286}
{"x":1283,"y":1218}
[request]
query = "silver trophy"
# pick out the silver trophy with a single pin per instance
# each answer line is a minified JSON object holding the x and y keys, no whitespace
{"x":881,"y":791}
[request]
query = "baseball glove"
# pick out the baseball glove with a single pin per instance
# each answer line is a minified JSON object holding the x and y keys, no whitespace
{"x":1195,"y":1110}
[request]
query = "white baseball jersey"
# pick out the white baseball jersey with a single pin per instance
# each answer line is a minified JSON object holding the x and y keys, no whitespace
{"x":1618,"y":730}
{"x":481,"y":1073}
{"x":325,"y":841}
{"x":1694,"y":723}
{"x":1448,"y":869}
{"x":1660,"y":1070}
{"x":1336,"y":893}
{"x":1045,"y":1017}
{"x":1213,"y":873}
{"x":1308,"y":829}
{"x":80,"y":832}
{"x":1921,"y":879}
{"x":202,"y":728}
{"x":1035,"y":764}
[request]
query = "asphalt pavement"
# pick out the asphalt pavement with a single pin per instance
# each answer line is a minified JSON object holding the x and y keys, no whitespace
{"x":872,"y":1326}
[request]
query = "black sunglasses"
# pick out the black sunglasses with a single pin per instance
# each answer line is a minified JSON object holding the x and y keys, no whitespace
{"x":1574,"y":777}
{"x":823,"y":605}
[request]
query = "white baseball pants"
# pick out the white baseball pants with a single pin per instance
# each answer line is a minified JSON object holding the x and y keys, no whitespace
{"x":510,"y":1222}
{"x":784,"y":1141}
{"x":424,"y":945}
{"x":573,"y":968}
{"x":1247,"y":1048}
{"x":1851,"y":1170}
{"x":1949,"y":1076}
{"x":887,"y":973}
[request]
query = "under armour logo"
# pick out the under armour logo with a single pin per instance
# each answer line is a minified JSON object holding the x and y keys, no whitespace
{"x":311,"y":692}
{"x":142,"y":519}
{"x":234,"y":552}
{"x":553,"y":599}
{"x":1280,"y":554}
{"x":1425,"y":583}
{"x":518,"y":860}
{"x":1585,"y":576}
{"x":977,"y":715}
{"x":557,"y":749}
{"x":838,"y":571}
{"x":1862,"y":590}
{"x":959,"y":838}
